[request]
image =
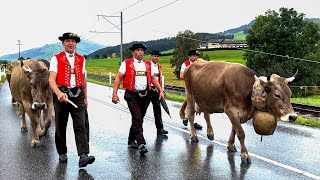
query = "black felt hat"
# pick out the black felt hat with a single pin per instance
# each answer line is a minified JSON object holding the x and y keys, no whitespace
{"x":136,"y":46}
{"x":69,"y":35}
{"x":155,"y":52}
{"x":193,"y":52}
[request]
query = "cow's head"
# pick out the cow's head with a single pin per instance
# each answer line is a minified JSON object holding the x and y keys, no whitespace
{"x":278,"y":97}
{"x":39,"y":84}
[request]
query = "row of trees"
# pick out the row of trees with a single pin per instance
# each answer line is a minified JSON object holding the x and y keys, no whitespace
{"x":284,"y":33}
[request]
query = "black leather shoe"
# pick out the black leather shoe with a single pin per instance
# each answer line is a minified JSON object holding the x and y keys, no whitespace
{"x":197,"y":126}
{"x":161,"y":132}
{"x":133,"y":144}
{"x":185,"y":122}
{"x":63,"y":158}
{"x":142,"y":149}
{"x":85,"y":160}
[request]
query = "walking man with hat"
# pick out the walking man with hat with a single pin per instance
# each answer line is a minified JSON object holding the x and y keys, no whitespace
{"x":156,"y":71}
{"x":68,"y":82}
{"x":193,"y":56}
{"x":137,"y":78}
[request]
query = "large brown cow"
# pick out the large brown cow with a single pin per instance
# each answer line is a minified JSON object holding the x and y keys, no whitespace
{"x":29,"y":85}
{"x":216,"y":87}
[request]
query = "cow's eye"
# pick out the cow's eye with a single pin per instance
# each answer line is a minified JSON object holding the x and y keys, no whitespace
{"x":277,"y":96}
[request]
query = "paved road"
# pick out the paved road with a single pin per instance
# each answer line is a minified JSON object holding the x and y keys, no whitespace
{"x":291,"y":153}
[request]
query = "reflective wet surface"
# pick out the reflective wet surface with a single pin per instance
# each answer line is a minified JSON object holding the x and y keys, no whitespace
{"x":291,"y":153}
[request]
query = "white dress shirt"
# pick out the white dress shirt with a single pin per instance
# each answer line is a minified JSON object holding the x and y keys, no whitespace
{"x":141,"y":82}
{"x":183,"y":66}
{"x":54,"y":67}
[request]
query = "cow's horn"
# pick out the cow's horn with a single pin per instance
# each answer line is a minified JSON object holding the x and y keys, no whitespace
{"x":256,"y":78}
{"x":290,"y":79}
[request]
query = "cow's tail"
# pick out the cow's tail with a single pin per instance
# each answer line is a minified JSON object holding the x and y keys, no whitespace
{"x":183,"y":110}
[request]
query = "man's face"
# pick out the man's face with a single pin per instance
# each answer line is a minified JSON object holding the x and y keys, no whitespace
{"x":69,"y":45}
{"x":155,"y":58}
{"x":138,"y":53}
{"x":193,"y":58}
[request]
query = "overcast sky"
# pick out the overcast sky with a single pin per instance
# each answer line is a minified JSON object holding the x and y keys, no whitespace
{"x":38,"y":22}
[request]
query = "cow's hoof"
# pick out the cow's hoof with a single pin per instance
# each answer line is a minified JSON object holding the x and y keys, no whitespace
{"x":35,"y":143}
{"x":24,"y":129}
{"x":245,"y":159}
{"x":232,"y":149}
{"x":194,"y":140}
{"x":210,"y":137}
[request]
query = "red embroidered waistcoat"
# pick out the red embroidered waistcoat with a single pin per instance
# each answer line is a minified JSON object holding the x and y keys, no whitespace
{"x":64,"y":69}
{"x":187,"y":63}
{"x":130,"y":76}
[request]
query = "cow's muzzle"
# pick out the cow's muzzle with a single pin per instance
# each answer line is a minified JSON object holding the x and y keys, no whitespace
{"x":289,"y":117}
{"x":39,"y":106}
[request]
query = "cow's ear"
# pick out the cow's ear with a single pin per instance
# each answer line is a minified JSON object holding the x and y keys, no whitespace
{"x":26,"y":69}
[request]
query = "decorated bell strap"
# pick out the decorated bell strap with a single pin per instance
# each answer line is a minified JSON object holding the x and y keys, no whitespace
{"x":259,"y":95}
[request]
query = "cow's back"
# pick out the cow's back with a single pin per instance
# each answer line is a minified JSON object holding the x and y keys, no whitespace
{"x":215,"y":85}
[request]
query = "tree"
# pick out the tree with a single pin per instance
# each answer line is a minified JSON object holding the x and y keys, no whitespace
{"x":127,"y":53}
{"x":284,"y":33}
{"x":85,"y":56}
{"x":96,"y":56}
{"x":105,"y":55}
{"x":184,"y":42}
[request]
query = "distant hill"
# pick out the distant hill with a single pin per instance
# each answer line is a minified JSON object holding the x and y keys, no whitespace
{"x":48,"y":50}
{"x":160,"y":44}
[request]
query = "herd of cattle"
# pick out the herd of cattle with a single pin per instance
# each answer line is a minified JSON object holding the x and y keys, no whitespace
{"x":211,"y":87}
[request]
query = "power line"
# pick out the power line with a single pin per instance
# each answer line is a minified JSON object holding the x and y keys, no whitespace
{"x":288,"y":57}
{"x":152,"y":11}
{"x":147,"y":13}
{"x":109,"y":21}
{"x":127,"y":7}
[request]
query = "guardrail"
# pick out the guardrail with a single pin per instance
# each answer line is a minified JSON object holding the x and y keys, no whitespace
{"x":301,"y":108}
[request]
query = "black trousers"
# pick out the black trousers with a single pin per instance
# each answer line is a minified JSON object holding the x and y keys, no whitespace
{"x":138,"y":108}
{"x":154,"y":99}
{"x":62,"y":111}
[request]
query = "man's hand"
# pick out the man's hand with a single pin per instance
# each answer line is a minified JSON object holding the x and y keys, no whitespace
{"x":115,"y":98}
{"x":62,"y":97}
{"x":161,"y":95}
{"x":86,"y":102}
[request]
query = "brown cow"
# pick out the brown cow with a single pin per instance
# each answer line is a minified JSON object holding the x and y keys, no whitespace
{"x":216,"y":87}
{"x":29,"y":85}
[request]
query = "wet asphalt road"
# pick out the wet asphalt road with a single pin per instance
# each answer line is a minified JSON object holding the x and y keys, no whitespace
{"x":291,"y":153}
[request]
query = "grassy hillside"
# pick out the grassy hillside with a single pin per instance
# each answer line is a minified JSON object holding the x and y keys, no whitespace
{"x":105,"y":66}
{"x":239,"y":36}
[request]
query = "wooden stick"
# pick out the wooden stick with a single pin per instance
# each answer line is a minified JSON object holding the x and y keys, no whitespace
{"x":74,"y":105}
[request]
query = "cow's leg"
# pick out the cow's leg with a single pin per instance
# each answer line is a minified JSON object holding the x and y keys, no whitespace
{"x":210,"y":133}
{"x":233,"y":114}
{"x":191,"y":112}
{"x":231,"y":147}
{"x":34,"y":116}
{"x":47,"y":119}
{"x":23,"y":125}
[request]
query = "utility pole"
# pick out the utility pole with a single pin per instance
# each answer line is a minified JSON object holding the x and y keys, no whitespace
{"x":19,"y":44}
{"x":117,"y":26}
